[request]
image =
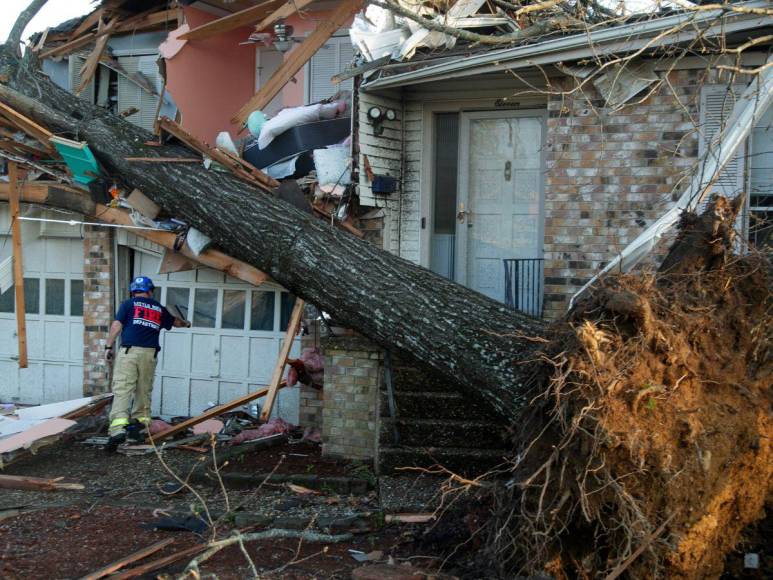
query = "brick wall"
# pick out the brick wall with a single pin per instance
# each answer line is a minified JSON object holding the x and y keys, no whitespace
{"x":98,"y":307}
{"x":610,"y":174}
{"x":350,"y":397}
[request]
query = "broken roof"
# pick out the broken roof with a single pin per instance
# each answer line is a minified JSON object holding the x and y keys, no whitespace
{"x":642,"y":33}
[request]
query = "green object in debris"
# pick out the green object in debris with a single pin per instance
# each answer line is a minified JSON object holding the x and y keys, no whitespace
{"x":78,"y":157}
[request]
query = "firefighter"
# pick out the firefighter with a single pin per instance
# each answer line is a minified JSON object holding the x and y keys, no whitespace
{"x":139,"y":321}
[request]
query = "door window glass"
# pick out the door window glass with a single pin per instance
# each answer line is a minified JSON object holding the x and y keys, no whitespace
{"x":32,"y":295}
{"x":288,"y":301}
{"x":444,"y":194}
{"x":204,"y":308}
{"x":76,"y":297}
{"x":233,"y":308}
{"x":262,"y":311}
{"x":54,"y":297}
{"x":178,"y":297}
{"x":7,"y":299}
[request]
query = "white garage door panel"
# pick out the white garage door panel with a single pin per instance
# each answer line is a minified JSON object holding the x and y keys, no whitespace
{"x":205,"y":355}
{"x":8,"y":345}
{"x":177,"y":351}
{"x":75,"y":340}
{"x":56,"y":380}
{"x":58,"y":257}
{"x":31,"y":384}
{"x":234,"y":357}
{"x":214,"y":364}
{"x":76,"y":382}
{"x":262,"y":350}
{"x":230,"y":391}
{"x":155,"y":398}
{"x":9,"y":381}
{"x":203,"y":395}
{"x":174,"y":395}
{"x":56,"y":340}
{"x":286,"y":405}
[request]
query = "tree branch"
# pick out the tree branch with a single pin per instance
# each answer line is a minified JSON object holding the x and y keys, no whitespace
{"x":14,"y":38}
{"x":546,"y":25}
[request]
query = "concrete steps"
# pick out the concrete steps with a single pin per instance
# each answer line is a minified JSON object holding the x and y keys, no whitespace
{"x":437,"y":423}
{"x":442,"y":433}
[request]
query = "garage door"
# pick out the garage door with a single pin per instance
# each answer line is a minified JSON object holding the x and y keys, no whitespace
{"x":53,"y":288}
{"x":230,"y":350}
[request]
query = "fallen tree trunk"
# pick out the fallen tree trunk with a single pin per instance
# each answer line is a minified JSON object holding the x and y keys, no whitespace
{"x":460,"y":333}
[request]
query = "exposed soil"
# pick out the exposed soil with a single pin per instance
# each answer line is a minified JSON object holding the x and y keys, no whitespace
{"x":287,"y":459}
{"x":63,"y":543}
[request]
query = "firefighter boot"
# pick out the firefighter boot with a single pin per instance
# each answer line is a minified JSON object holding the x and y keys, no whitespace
{"x":135,"y":432}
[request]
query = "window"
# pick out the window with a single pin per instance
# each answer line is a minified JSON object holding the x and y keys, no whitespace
{"x":288,"y":302}
{"x":262,"y":311}
{"x":204,"y":308}
{"x":31,"y":297}
{"x":54,"y":297}
{"x":334,"y":56}
{"x":234,"y":302}
{"x":7,"y":300}
{"x":444,"y":194}
{"x":178,"y":298}
{"x":76,"y":297}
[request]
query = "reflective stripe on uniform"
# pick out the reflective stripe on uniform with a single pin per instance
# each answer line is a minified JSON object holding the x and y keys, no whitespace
{"x":119,"y":422}
{"x":145,"y":420}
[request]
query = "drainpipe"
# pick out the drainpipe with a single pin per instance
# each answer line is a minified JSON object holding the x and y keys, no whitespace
{"x":747,"y":112}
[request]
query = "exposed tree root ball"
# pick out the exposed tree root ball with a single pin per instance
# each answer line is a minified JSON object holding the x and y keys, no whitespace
{"x":650,"y":450}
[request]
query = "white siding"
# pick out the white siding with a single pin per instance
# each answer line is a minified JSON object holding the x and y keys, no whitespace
{"x":385,"y":155}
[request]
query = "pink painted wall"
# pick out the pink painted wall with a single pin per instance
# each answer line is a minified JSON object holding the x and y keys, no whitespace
{"x":211,"y":79}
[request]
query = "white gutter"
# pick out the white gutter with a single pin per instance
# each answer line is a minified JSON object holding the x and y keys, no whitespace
{"x":751,"y":106}
{"x":627,"y":37}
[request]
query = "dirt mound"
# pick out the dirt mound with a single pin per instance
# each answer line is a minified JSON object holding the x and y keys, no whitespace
{"x":650,"y":450}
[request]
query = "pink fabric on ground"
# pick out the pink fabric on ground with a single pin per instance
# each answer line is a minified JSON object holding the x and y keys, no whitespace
{"x":158,"y":426}
{"x":275,"y":426}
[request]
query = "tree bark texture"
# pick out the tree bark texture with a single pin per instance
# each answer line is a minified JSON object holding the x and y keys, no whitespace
{"x":401,"y":306}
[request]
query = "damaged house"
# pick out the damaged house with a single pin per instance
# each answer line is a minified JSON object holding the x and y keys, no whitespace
{"x":517,"y":168}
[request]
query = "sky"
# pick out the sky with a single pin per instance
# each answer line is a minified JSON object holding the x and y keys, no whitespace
{"x":54,"y":12}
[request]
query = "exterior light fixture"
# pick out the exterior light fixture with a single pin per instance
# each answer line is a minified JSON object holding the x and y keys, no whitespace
{"x":377,"y":116}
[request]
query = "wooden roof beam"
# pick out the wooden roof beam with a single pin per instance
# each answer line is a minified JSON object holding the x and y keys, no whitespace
{"x":298,"y":57}
{"x":230,"y":22}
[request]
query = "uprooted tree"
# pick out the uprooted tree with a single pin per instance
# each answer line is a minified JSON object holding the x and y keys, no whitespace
{"x":642,"y":425}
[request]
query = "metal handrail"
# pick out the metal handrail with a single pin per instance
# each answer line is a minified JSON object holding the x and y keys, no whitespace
{"x":525,"y":284}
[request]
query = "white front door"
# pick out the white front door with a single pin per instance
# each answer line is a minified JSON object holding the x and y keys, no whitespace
{"x":500,"y":199}
{"x":267,"y":62}
{"x":52,"y":255}
{"x":231,"y":348}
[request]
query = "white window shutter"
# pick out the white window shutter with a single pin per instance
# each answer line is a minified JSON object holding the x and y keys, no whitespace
{"x":75,"y":63}
{"x":331,"y":59}
{"x":717,"y":102}
{"x":131,"y":95}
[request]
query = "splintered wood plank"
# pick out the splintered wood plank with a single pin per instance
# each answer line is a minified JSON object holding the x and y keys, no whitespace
{"x":284,"y":11}
{"x":27,"y":125}
{"x":279,"y":369}
{"x":92,"y":62}
{"x":36,"y":483}
{"x":211,"y":258}
{"x":224,"y":408}
{"x":160,"y":563}
{"x":298,"y":58}
{"x":237,"y":166}
{"x":149,"y":19}
{"x":130,"y":559}
{"x":88,"y":23}
{"x":230,"y":22}
{"x":18,"y":270}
